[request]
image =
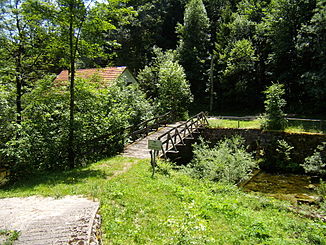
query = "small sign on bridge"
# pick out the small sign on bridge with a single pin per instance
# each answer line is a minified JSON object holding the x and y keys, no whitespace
{"x":155,"y":145}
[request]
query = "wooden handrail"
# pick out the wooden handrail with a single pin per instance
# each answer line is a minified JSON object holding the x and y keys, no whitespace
{"x":144,"y":128}
{"x":181,"y":132}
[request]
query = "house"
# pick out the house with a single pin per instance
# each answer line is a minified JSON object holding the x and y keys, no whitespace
{"x":108,"y":75}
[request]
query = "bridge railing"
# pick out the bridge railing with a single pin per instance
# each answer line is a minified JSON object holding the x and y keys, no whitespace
{"x":176,"y":135}
{"x":142,"y":129}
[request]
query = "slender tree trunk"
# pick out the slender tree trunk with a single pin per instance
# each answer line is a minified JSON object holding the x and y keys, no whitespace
{"x":19,"y":83}
{"x":71,"y":151}
{"x":18,"y":97}
{"x":211,"y":87}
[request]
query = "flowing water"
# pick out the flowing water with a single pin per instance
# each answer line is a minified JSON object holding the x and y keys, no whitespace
{"x":292,"y":187}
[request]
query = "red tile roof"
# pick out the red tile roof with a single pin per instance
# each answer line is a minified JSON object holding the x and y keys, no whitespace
{"x":108,"y":74}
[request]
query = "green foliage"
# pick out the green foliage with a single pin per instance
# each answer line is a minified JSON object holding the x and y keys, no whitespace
{"x":6,"y":115}
{"x":311,"y":48}
{"x":194,"y":45}
{"x":153,"y":24}
{"x":238,"y":75}
{"x":274,"y":117}
{"x":284,"y":149}
{"x":99,"y":45}
{"x":100,"y":119}
{"x":282,"y":23}
{"x":241,"y":58}
{"x":278,"y":158}
{"x":228,"y":161}
{"x":165,"y":83}
{"x":321,"y":190}
{"x":316,"y":163}
{"x":9,"y":236}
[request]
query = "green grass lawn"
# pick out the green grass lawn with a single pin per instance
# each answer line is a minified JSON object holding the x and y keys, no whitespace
{"x":293,"y":126}
{"x":173,"y":208}
{"x":224,"y":123}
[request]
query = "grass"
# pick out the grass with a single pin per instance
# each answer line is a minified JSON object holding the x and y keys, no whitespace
{"x":173,"y":208}
{"x":224,"y":123}
{"x":293,"y":126}
{"x":8,"y":236}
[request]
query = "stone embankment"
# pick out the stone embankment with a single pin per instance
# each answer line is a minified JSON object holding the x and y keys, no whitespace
{"x":303,"y":144}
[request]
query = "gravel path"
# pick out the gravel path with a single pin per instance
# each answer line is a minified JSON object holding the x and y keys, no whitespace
{"x":40,"y":220}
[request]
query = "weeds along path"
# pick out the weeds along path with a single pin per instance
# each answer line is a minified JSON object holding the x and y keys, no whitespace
{"x":68,"y":220}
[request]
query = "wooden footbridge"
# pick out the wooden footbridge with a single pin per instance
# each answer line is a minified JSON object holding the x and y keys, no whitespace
{"x":170,"y":135}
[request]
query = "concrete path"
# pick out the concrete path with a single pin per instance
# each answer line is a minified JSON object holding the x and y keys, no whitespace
{"x":139,"y":149}
{"x":40,"y":220}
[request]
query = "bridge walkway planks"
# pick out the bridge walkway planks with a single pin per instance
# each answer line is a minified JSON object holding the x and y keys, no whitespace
{"x":138,"y":149}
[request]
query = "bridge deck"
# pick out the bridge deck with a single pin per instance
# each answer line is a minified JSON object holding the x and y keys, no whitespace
{"x":139,"y":149}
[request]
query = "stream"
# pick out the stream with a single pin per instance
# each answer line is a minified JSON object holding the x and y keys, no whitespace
{"x":292,"y":187}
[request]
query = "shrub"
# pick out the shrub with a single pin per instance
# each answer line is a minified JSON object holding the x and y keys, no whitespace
{"x":228,"y":161}
{"x":278,"y":158}
{"x":321,"y":190}
{"x":100,"y":118}
{"x":274,"y":117}
{"x":7,"y":120}
{"x":316,"y":163}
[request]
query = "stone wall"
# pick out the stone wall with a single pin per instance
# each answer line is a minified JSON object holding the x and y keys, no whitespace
{"x":304,"y":144}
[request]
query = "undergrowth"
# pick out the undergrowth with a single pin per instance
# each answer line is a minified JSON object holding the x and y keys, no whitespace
{"x":228,"y":161}
{"x":8,"y":236}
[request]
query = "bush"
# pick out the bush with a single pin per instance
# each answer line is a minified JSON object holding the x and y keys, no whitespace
{"x":278,"y":158}
{"x":228,"y":161}
{"x":7,"y":116}
{"x":316,"y":163}
{"x":321,"y":190}
{"x":41,"y":142}
{"x":274,"y":117}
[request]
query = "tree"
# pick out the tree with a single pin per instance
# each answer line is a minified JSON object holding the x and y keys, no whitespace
{"x":236,"y":61}
{"x":274,"y":117}
{"x":153,"y":24}
{"x":102,"y":35}
{"x":194,"y":45}
{"x":282,"y":24}
{"x":238,"y":77}
{"x":75,"y":20}
{"x":165,"y":83}
{"x":311,"y":48}
{"x":71,"y":15}
{"x":24,"y":39}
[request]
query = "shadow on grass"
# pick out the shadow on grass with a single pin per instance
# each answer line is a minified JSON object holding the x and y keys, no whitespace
{"x":48,"y":178}
{"x":307,"y":126}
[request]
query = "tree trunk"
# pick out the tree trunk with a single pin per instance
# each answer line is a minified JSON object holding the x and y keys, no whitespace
{"x":71,"y":151}
{"x":19,"y":86}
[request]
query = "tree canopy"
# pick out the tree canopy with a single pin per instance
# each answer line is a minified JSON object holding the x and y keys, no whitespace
{"x":182,"y":51}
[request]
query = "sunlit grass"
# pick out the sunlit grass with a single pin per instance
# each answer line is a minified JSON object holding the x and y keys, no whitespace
{"x":224,"y":123}
{"x":293,"y":126}
{"x":173,"y":208}
{"x":80,"y":181}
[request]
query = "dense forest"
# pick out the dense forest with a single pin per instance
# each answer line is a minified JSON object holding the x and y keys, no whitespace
{"x":218,"y":54}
